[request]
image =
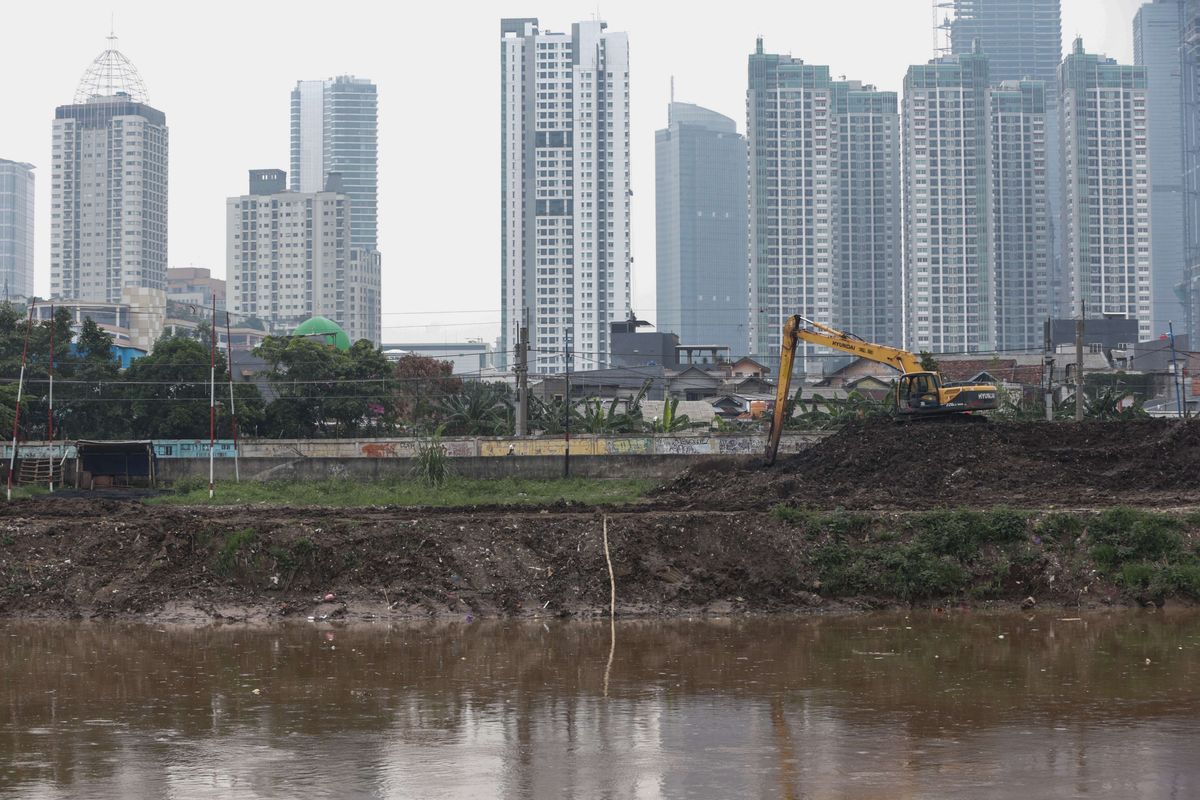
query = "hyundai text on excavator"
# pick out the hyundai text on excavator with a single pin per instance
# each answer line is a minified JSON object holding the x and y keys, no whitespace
{"x":918,"y":392}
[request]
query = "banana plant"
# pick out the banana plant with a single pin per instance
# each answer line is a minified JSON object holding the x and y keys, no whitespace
{"x":671,"y":421}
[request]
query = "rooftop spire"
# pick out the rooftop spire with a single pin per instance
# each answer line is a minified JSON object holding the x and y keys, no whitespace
{"x":111,"y":74}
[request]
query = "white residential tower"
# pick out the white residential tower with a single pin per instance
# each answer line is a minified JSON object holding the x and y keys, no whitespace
{"x":564,"y":141}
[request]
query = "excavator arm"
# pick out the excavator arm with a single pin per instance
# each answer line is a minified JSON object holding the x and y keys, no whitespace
{"x":799,"y":328}
{"x":783,"y":380}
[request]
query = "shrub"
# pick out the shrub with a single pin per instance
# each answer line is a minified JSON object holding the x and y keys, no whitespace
{"x":792,"y":516}
{"x":231,"y":548}
{"x":432,"y":464}
{"x":1137,"y":576}
{"x":1125,"y":534}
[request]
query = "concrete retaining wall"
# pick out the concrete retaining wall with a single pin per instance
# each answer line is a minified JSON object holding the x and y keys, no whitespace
{"x":459,"y":447}
{"x":651,"y":457}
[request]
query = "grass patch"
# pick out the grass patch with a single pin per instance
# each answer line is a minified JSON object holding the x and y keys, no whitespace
{"x":1123,"y":535}
{"x":791,"y":515}
{"x":30,"y":490}
{"x":455,"y":491}
{"x":1060,"y":528}
{"x":231,"y":549}
{"x":923,"y":556}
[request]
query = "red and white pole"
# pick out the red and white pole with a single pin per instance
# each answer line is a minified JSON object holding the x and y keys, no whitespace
{"x":50,"y":408}
{"x":12,"y":460}
{"x":237,"y":477}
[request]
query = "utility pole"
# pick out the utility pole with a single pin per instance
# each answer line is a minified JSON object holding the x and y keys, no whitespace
{"x":1048,"y":370}
{"x":567,"y":407}
{"x":1175,"y":369}
{"x":523,"y":377}
{"x":1079,"y":365}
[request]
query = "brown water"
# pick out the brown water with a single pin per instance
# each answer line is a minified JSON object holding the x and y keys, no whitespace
{"x":926,"y":706}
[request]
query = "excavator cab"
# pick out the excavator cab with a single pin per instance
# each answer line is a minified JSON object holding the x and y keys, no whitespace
{"x":918,"y":391}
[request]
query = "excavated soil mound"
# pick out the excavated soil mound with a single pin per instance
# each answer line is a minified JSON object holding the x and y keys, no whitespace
{"x":883,"y":464}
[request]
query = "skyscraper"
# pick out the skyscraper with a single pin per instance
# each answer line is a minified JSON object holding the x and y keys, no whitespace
{"x":1190,"y":87}
{"x":108,"y":224}
{"x":565,"y":191}
{"x":1106,"y":192}
{"x":1023,"y":41}
{"x":701,"y":226}
{"x":947,"y":274}
{"x":1157,"y":36}
{"x":824,"y":203}
{"x":16,"y":228}
{"x":1018,"y":233}
{"x":288,"y":258}
{"x":1021,"y":38}
{"x":335,"y":129}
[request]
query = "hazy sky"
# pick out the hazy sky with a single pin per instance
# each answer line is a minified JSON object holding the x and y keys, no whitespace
{"x":222,"y":72}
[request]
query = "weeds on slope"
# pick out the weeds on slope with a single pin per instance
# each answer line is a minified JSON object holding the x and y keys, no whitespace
{"x":1147,"y":555}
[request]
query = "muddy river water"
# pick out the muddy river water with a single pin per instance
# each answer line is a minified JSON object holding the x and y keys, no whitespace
{"x":1039,"y":705}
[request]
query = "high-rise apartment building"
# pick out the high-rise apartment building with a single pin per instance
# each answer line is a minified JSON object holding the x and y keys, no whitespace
{"x":335,"y":129}
{"x":1157,"y":37}
{"x":1018,"y":232}
{"x":947,"y":274}
{"x":1023,"y":41}
{"x":824,"y":203}
{"x":288,"y":258}
{"x":565,"y":190}
{"x":977,"y":216}
{"x":16,"y":228}
{"x":701,"y":227}
{"x":1106,"y":191}
{"x":1189,"y":53}
{"x":108,"y":193}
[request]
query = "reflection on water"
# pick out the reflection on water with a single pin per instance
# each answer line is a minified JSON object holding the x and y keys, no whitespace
{"x":1024,"y":706}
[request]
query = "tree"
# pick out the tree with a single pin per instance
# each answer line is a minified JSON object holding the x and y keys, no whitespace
{"x":323,"y":391}
{"x":547,"y":416}
{"x":928,"y":362}
{"x":168,"y":392}
{"x":421,"y":384}
{"x":93,"y":407}
{"x":593,"y":417}
{"x":478,"y":409}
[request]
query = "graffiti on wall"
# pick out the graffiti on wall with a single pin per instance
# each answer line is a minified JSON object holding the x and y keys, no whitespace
{"x":587,"y":445}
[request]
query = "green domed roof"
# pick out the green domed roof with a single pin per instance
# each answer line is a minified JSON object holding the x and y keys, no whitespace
{"x":324,"y":330}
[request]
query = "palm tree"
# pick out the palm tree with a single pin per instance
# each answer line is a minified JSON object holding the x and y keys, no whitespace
{"x":478,"y":409}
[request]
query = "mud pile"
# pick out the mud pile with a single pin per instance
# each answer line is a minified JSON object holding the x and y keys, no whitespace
{"x":884,"y":465}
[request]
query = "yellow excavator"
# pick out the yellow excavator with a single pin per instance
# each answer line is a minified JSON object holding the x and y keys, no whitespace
{"x":919,"y":393}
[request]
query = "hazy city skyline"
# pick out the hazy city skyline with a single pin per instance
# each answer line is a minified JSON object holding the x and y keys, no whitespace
{"x":436,"y":151}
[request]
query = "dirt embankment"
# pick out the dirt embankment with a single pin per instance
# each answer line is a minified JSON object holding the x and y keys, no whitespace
{"x":88,"y":558}
{"x":865,"y":519}
{"x":888,"y":465}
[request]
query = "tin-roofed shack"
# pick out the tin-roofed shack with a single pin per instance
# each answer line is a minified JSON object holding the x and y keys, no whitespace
{"x":106,"y":464}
